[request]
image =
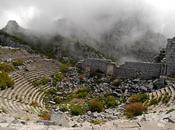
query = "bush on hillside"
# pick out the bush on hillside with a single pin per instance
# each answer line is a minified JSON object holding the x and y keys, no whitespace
{"x":42,"y":81}
{"x":141,"y":97}
{"x":45,"y":115}
{"x":111,"y":102}
{"x":63,"y":107}
{"x":58,"y":78}
{"x":82,"y":93}
{"x":6,"y":68}
{"x":64,"y":68}
{"x":77,"y":110}
{"x":134,"y":109}
{"x":96,"y":105}
{"x":5,"y":81}
{"x":18,"y":62}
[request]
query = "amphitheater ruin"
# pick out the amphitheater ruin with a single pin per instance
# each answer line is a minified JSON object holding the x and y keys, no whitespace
{"x":25,"y":100}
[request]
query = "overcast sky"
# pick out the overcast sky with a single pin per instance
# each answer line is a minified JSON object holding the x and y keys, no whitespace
{"x":42,"y":13}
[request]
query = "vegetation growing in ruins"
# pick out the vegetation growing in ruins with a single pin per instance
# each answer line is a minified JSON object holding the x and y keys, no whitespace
{"x":82,"y":93}
{"x":141,"y":97}
{"x":5,"y":81}
{"x":78,"y":109}
{"x":81,"y":101}
{"x":64,"y":107}
{"x":134,"y":109}
{"x":6,"y":68}
{"x":111,"y":101}
{"x":44,"y":115}
{"x":64,"y":68}
{"x":96,"y":105}
{"x":58,"y":78}
{"x":18,"y":62}
{"x":43,"y":81}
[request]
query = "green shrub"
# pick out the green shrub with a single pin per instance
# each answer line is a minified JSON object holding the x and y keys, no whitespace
{"x":77,"y":110}
{"x":111,"y":102}
{"x":5,"y":81}
{"x":64,"y":68}
{"x":52,"y":91}
{"x":58,"y":78}
{"x":42,"y":81}
{"x":96,"y":105}
{"x":58,"y":100}
{"x":141,"y":97}
{"x":63,"y":107}
{"x":18,"y":62}
{"x":6,"y":68}
{"x":82,"y":93}
{"x":134,"y":109}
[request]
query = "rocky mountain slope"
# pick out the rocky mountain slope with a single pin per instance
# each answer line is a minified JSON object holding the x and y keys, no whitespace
{"x":132,"y":39}
{"x":53,"y":46}
{"x":126,"y":39}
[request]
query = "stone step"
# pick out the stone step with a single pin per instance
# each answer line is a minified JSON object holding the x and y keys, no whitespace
{"x":167,"y":89}
{"x":17,"y":94}
{"x":154,"y":94}
{"x":30,"y":95}
{"x":159,"y":94}
{"x":163,"y":91}
{"x":172,"y":91}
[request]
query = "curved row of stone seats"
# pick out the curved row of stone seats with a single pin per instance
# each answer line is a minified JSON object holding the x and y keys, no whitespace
{"x":39,"y":73}
{"x":31,"y":76}
{"x":17,"y":109}
{"x":29,"y":94}
{"x":10,"y":106}
{"x":168,"y":91}
{"x":19,"y":99}
{"x":172,"y":89}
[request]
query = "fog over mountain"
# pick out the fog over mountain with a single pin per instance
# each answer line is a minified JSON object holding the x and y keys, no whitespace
{"x":128,"y":29}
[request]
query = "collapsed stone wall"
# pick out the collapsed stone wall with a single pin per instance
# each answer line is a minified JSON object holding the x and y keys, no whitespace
{"x":101,"y":65}
{"x":138,"y":70}
{"x":127,"y":70}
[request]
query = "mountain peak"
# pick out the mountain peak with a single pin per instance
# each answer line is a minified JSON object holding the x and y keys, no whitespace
{"x":12,"y":27}
{"x":12,"y":24}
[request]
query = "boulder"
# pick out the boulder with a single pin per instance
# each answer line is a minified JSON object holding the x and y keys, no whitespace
{"x":116,"y":82}
{"x":159,"y":83}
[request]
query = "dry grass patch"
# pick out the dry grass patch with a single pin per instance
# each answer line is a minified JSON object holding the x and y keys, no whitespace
{"x":134,"y":109}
